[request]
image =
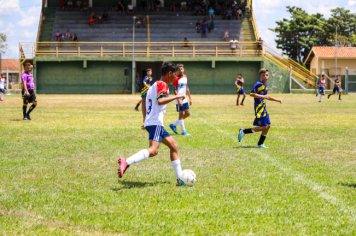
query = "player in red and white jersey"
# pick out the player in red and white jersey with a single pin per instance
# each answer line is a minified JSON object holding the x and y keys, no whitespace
{"x":322,"y":83}
{"x":180,"y":85}
{"x":156,"y":100}
{"x":2,"y":87}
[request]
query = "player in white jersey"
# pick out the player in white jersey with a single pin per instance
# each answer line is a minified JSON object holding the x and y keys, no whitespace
{"x":322,"y":87}
{"x":156,"y":100}
{"x":180,"y":85}
{"x":2,"y":87}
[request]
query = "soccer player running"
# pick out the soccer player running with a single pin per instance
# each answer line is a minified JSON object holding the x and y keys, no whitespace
{"x":337,"y":87}
{"x":2,"y":87}
{"x":259,"y":92}
{"x":322,"y":87}
{"x":157,"y":98}
{"x":239,"y":84}
{"x":180,"y":85}
{"x":146,"y":85}
{"x":28,"y":91}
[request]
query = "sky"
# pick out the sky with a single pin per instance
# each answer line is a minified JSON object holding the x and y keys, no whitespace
{"x":19,"y":18}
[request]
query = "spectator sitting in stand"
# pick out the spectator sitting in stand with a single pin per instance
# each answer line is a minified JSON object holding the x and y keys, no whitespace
{"x":259,"y":44}
{"x":205,"y":20}
{"x":144,"y":21}
{"x":211,"y":26}
{"x":151,"y":6}
{"x":130,"y":9}
{"x":158,"y":4}
{"x":68,"y":35}
{"x":173,"y":6}
{"x":229,"y":14}
{"x":203,"y":31}
{"x":70,"y":5}
{"x":183,"y":5}
{"x":197,"y":8}
{"x":234,"y":13}
{"x":233,"y":46}
{"x":105,"y":17}
{"x":192,"y":5}
{"x":198,"y":26}
{"x":211,"y":13}
{"x":239,"y":12}
{"x":114,"y":8}
{"x":79,"y":5}
{"x":138,"y":21}
{"x":57,"y":35}
{"x":234,"y":3}
{"x":61,"y":5}
{"x":243,"y":9}
{"x":92,"y":15}
{"x":75,"y":38}
{"x":203,"y":6}
{"x":60,"y":40}
{"x":121,"y":8}
{"x":223,"y":13}
{"x":226,"y":35}
{"x":217,"y":10}
{"x":227,"y":4}
{"x":85,"y":5}
{"x":91,"y":22}
{"x":143,"y":5}
{"x":98,"y":18}
{"x":186,"y":43}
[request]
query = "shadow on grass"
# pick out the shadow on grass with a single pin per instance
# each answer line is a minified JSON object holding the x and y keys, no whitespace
{"x":136,"y":184}
{"x":245,"y":147}
{"x":16,"y":120}
{"x":351,"y":185}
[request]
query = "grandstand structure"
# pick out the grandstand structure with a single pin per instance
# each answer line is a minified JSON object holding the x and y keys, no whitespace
{"x":95,"y":64}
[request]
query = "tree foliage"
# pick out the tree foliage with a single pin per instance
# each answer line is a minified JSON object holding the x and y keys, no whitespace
{"x":3,"y":44}
{"x":297,"y":35}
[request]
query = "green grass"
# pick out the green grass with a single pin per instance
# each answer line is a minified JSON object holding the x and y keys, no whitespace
{"x":59,"y":171}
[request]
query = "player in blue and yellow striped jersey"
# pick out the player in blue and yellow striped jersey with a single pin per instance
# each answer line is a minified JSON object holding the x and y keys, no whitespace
{"x":259,"y":93}
{"x":146,"y":85}
{"x":240,"y":90}
{"x":337,"y":87}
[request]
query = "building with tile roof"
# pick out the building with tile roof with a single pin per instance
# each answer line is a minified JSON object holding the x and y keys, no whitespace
{"x":10,"y":69}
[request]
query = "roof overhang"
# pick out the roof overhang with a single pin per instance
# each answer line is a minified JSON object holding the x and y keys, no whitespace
{"x":310,"y":57}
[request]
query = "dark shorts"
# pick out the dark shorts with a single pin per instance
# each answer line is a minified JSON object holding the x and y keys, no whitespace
{"x":2,"y":90}
{"x":143,"y":95}
{"x":321,"y":90}
{"x":203,"y":31}
{"x":182,"y":108}
{"x":336,"y":89}
{"x":241,"y":91}
{"x":28,"y":99}
{"x":263,"y":121}
{"x":156,"y":133}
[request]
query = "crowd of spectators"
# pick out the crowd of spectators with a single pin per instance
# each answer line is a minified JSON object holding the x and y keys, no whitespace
{"x":59,"y":37}
{"x":81,"y":6}
{"x":204,"y":26}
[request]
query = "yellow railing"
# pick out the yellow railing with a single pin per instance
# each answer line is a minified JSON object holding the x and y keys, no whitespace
{"x":254,"y":24}
{"x":145,"y":49}
{"x":40,"y":26}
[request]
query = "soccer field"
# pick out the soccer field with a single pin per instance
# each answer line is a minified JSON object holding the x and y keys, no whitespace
{"x":59,"y":171}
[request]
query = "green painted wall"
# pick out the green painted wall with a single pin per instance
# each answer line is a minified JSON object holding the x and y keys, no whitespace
{"x":69,"y":77}
{"x":278,"y":81}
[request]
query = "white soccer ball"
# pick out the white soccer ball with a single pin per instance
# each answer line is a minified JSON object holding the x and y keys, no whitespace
{"x":188,"y":177}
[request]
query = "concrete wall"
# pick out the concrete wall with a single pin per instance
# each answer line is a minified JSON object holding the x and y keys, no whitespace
{"x":278,"y":81}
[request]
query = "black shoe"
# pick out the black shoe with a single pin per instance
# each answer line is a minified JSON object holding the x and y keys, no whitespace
{"x":316,"y":95}
{"x":328,"y":96}
{"x":136,"y":109}
{"x":340,"y":99}
{"x":28,"y":117}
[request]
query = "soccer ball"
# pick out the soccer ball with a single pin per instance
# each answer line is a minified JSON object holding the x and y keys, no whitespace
{"x":188,"y":177}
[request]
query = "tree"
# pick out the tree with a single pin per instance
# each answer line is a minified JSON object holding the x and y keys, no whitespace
{"x":342,"y":41}
{"x":3,"y":45}
{"x":298,"y":35}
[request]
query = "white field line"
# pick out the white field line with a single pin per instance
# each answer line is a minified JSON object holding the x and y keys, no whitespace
{"x":297,"y":177}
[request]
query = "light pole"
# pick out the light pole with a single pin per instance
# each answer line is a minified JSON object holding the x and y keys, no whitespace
{"x":336,"y":46}
{"x":133,"y":55}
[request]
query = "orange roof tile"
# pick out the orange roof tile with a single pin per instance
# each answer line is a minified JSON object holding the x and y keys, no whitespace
{"x":13,"y":64}
{"x":329,"y":52}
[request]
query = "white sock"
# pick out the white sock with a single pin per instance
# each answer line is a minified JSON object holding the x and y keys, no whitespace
{"x":320,"y":98}
{"x":177,"y":167}
{"x":176,"y":123}
{"x":140,"y":156}
{"x":181,"y":122}
{"x":1,"y":96}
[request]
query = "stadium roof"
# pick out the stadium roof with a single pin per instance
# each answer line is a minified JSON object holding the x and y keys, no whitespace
{"x":13,"y":65}
{"x":329,"y":53}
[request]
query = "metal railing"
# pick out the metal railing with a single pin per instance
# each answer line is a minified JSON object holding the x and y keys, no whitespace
{"x":144,"y":49}
{"x":254,"y":23}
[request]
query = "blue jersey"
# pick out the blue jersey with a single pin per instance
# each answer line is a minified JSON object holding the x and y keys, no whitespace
{"x":239,"y":83}
{"x":148,"y":81}
{"x":336,"y":85}
{"x":260,"y":103}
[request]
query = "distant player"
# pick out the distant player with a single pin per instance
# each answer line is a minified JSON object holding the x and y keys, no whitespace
{"x":2,"y":87}
{"x":156,"y":99}
{"x":318,"y":83}
{"x":240,"y":90}
{"x":322,"y":87}
{"x":259,"y":92}
{"x":337,"y":87}
{"x":146,"y":85}
{"x":180,"y":85}
{"x":28,"y":91}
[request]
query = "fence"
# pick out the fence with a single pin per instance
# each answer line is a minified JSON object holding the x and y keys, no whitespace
{"x":350,"y":80}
